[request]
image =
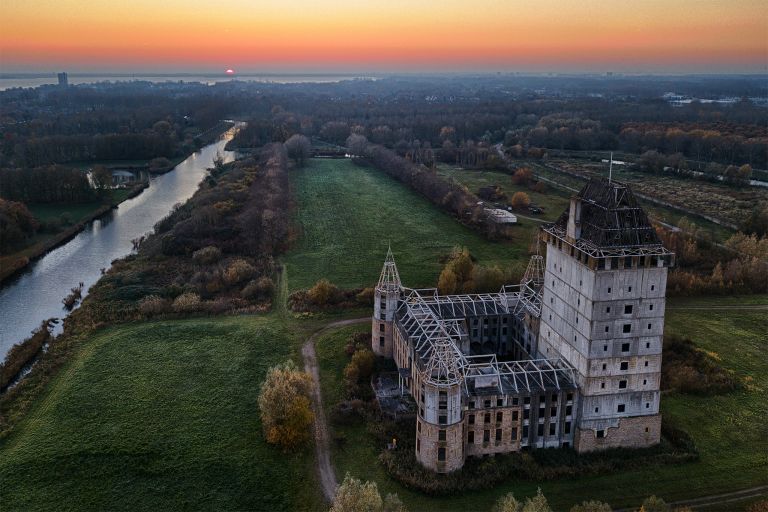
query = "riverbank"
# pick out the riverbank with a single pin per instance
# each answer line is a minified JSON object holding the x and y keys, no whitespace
{"x":14,"y":264}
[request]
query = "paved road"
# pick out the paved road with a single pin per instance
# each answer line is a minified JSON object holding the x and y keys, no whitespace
{"x":322,"y":445}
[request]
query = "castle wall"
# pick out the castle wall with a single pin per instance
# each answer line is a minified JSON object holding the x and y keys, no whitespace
{"x":637,"y":432}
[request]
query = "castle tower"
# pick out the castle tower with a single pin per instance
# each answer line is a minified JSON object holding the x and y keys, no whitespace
{"x":385,"y":297}
{"x":603,"y":311}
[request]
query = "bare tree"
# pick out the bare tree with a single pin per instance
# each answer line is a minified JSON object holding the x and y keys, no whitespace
{"x":299,"y":148}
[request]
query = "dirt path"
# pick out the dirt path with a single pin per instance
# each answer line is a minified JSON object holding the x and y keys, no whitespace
{"x":725,"y":307}
{"x":322,"y":446}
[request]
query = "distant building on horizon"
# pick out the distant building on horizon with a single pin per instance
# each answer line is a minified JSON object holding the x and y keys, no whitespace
{"x":63,"y":79}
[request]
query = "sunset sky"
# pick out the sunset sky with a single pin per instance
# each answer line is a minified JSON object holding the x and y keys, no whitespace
{"x":700,"y":36}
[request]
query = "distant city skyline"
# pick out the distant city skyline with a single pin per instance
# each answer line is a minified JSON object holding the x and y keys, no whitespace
{"x":341,"y":36}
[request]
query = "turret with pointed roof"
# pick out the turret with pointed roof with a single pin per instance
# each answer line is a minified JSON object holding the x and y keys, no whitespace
{"x":385,"y":300}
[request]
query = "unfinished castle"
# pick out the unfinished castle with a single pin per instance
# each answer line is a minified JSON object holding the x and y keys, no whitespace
{"x":571,"y":356}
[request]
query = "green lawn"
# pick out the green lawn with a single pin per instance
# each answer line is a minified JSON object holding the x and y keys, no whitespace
{"x":160,"y":416}
{"x":729,"y":430}
{"x":348,"y":214}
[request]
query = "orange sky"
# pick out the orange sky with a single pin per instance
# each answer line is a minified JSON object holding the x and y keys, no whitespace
{"x":414,"y":35}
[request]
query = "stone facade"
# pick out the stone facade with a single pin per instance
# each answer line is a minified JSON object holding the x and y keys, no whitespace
{"x":637,"y":432}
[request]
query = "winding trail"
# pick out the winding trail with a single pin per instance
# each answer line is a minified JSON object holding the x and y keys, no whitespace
{"x":322,"y":446}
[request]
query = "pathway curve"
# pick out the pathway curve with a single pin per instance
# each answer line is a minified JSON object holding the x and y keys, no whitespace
{"x":322,"y":445}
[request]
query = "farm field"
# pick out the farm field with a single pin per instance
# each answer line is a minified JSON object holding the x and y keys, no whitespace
{"x":659,"y":213}
{"x":729,"y":430}
{"x":347,"y":215}
{"x":160,"y":416}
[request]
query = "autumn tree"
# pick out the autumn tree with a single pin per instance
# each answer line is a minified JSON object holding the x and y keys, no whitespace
{"x":654,"y":504}
{"x":354,"y":495}
{"x":16,"y":223}
{"x":284,"y":403}
{"x":520,"y":200}
{"x":299,"y":148}
{"x":446,"y":283}
{"x":522,"y":176}
{"x":507,"y":503}
{"x":323,"y":292}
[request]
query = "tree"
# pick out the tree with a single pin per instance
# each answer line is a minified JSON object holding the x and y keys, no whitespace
{"x":322,"y":293}
{"x":284,"y":403}
{"x":536,"y":504}
{"x":16,"y":224}
{"x":520,"y":200}
{"x":447,"y":282}
{"x":591,"y":506}
{"x":522,"y":176}
{"x":507,"y":503}
{"x":299,"y":148}
{"x":354,"y":495}
{"x":102,"y":177}
{"x":654,"y":504}
{"x":356,"y":144}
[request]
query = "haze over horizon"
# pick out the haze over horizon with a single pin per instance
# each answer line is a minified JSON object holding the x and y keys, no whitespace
{"x":340,"y":36}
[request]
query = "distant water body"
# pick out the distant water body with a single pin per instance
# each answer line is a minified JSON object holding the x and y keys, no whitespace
{"x":9,"y":81}
{"x":36,"y":294}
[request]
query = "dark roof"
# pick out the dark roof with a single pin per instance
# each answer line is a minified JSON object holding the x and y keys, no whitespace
{"x":611,"y":216}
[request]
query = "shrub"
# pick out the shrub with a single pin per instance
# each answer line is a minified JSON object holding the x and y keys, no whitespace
{"x":262,"y":287}
{"x":284,"y":404}
{"x":688,"y":369}
{"x":153,"y":305}
{"x":207,"y":255}
{"x":520,"y":200}
{"x":322,"y":293}
{"x":365,"y":297}
{"x":238,"y":271}
{"x":186,"y":303}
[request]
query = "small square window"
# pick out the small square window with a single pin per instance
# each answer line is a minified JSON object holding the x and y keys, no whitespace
{"x":602,"y":385}
{"x":626,"y":328}
{"x":442,"y":420}
{"x":600,"y":434}
{"x":649,"y":327}
{"x":622,"y":384}
{"x":527,"y":400}
{"x":644,"y":382}
{"x":628,"y":309}
{"x":487,"y":403}
{"x":515,"y":401}
{"x":653,"y":287}
{"x":604,"y":366}
{"x":647,"y":405}
{"x":625,"y":347}
{"x":569,"y":397}
{"x":609,"y":289}
{"x":630,"y":289}
{"x":647,"y":345}
{"x":646,"y":364}
{"x":597,"y":409}
{"x":441,"y":435}
{"x":650,"y":307}
{"x":620,"y":408}
{"x":605,"y":347}
{"x":608,"y":309}
{"x":499,"y":402}
{"x":624,"y":365}
{"x":606,"y":330}
{"x":381,"y":327}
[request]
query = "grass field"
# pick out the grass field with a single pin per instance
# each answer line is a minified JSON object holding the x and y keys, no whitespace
{"x":729,"y":430}
{"x":348,"y":214}
{"x":160,"y":416}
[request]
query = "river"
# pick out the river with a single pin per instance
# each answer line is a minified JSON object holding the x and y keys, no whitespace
{"x":36,"y":294}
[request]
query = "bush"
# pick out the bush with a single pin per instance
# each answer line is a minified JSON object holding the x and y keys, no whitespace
{"x":186,"y":303}
{"x":262,"y":287}
{"x":284,"y":404}
{"x":365,"y":297}
{"x":687,"y":369}
{"x":238,"y":271}
{"x":520,"y":200}
{"x":207,"y":255}
{"x":322,"y":293}
{"x":153,"y":305}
